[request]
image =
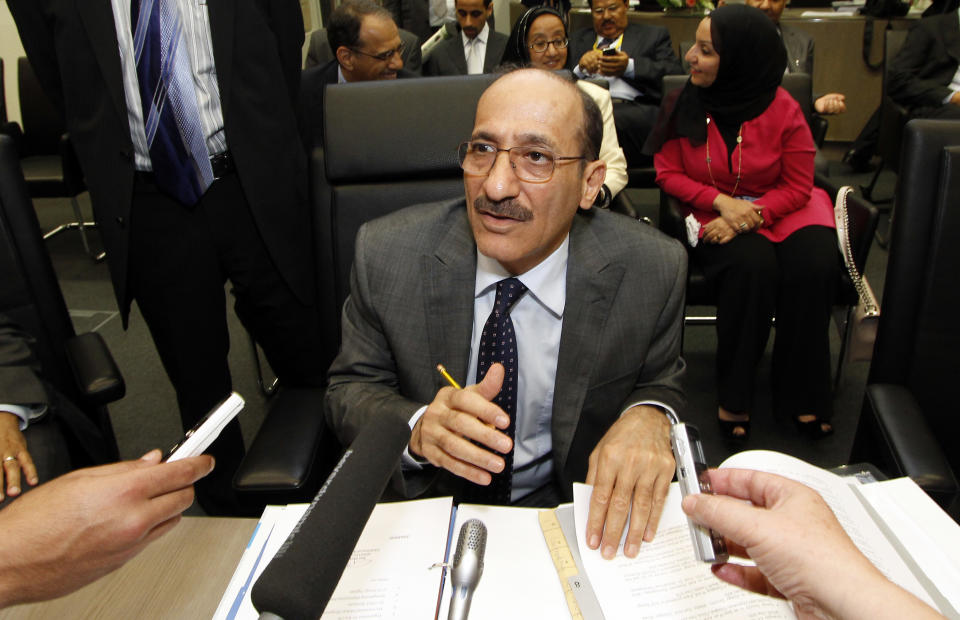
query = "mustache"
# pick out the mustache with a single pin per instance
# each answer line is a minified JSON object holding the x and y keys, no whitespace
{"x":503,"y":208}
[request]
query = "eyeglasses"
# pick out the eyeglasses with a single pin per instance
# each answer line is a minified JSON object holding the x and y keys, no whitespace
{"x":613,"y":8}
{"x":383,"y":56}
{"x":541,"y":46}
{"x":534,"y":164}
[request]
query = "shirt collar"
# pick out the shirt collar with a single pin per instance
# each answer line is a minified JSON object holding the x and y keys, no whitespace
{"x":481,"y":36}
{"x":340,"y":78}
{"x":547,"y":281}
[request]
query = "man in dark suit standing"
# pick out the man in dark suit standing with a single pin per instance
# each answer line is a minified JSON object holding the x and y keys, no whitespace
{"x":190,"y":147}
{"x":924,"y":76}
{"x":633,"y":58}
{"x":565,"y":322}
{"x":366,"y":46}
{"x":478,"y":49}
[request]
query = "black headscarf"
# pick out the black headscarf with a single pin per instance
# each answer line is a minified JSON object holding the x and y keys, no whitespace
{"x":517,"y":52}
{"x":752,"y":62}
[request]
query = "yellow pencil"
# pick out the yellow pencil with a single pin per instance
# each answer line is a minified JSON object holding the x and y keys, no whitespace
{"x":446,"y":375}
{"x":453,"y":382}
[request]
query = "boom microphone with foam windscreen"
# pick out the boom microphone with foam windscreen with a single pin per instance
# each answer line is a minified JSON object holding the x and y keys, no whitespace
{"x":300,"y":579}
{"x":467,"y":568}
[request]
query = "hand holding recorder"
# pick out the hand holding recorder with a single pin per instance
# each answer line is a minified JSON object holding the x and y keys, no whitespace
{"x":800,"y":550}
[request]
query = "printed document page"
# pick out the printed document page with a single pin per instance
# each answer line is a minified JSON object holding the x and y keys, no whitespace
{"x":519,"y":580}
{"x":928,"y":534}
{"x":665,"y":580}
{"x":841,"y":498}
{"x":389,"y":574}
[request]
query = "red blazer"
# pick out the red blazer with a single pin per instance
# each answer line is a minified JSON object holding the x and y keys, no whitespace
{"x":777,"y":170}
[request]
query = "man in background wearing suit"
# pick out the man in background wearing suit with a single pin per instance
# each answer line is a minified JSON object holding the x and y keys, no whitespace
{"x":319,"y":52}
{"x":924,"y":75}
{"x":799,"y":46}
{"x":633,"y":58}
{"x":366,"y":45}
{"x":565,"y":322}
{"x":195,"y":178}
{"x":478,"y":49}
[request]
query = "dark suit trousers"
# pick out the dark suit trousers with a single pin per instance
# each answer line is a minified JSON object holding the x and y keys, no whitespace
{"x":754,"y":279}
{"x":634,"y":121}
{"x":180,"y":259}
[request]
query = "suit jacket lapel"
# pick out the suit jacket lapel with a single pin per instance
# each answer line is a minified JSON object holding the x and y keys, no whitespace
{"x":458,"y":56}
{"x":222,"y":16}
{"x":449,"y":277}
{"x":97,"y":18}
{"x":592,"y":284}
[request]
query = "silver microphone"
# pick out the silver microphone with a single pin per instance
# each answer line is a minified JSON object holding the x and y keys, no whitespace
{"x":467,"y":567}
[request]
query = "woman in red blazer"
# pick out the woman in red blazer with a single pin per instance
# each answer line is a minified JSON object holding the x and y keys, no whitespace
{"x":737,"y":151}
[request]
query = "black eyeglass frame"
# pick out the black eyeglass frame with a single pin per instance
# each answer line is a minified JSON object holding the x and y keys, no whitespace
{"x":559,"y":44}
{"x":383,"y":56}
{"x":462,"y":150}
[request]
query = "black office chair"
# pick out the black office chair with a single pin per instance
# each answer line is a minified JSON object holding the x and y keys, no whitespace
{"x":388,"y":145}
{"x":79,"y":367}
{"x":893,"y":117}
{"x":49,"y":163}
{"x":909,"y":423}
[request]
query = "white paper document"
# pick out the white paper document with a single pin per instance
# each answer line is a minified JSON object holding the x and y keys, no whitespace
{"x":389,"y":574}
{"x":519,"y":580}
{"x":665,"y":580}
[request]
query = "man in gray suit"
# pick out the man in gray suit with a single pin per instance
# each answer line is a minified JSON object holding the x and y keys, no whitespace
{"x":319,"y":52}
{"x":596,"y":314}
{"x":478,"y":48}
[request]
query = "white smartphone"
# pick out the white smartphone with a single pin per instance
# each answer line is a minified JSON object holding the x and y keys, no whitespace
{"x":692,"y":476}
{"x":199,"y":438}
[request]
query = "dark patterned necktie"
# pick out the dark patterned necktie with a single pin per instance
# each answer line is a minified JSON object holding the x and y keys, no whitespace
{"x":171,"y":119}
{"x":605,"y":43}
{"x":498,"y":343}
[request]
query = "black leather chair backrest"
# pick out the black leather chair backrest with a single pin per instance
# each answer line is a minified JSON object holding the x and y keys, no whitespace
{"x":42,"y":123}
{"x":387,"y":145}
{"x":923,"y":244}
{"x":29,"y":291}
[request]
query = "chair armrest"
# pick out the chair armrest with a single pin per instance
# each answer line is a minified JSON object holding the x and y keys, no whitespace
{"x":282,"y":455}
{"x":621,"y":203}
{"x":94,"y":369}
{"x":13,"y":130}
{"x":671,"y":221}
{"x":818,"y":128}
{"x":894,"y":435}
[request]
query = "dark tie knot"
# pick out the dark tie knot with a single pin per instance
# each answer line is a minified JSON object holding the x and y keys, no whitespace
{"x":509,"y":291}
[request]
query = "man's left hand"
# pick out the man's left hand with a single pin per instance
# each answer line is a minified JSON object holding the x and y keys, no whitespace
{"x":631,"y":467}
{"x":614,"y":64}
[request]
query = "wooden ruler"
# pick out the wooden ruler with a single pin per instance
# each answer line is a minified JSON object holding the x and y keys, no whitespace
{"x":562,"y":558}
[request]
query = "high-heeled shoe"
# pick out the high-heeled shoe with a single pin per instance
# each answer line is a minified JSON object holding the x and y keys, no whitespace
{"x":814,"y":429}
{"x":728,"y":428}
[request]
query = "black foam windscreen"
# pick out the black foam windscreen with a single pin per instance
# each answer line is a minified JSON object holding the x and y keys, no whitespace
{"x":300,"y":579}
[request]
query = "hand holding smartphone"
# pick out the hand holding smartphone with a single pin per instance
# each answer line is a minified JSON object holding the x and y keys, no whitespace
{"x":693,"y":478}
{"x":199,"y":438}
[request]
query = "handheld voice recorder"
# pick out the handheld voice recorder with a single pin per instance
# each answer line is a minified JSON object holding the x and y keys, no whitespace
{"x":199,"y":438}
{"x":693,"y":478}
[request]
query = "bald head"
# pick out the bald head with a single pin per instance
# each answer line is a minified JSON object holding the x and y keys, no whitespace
{"x":583,"y":114}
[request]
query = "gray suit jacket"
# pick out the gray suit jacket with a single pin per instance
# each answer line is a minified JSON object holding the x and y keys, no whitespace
{"x":447,"y":57}
{"x":19,"y":383}
{"x":411,"y":306}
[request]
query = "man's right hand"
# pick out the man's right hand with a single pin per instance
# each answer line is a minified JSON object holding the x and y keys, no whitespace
{"x":955,"y":98}
{"x":590,"y":61}
{"x":445,"y":433}
{"x":82,"y":525}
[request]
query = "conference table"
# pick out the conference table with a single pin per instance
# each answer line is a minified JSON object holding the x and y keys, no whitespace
{"x":181,"y":575}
